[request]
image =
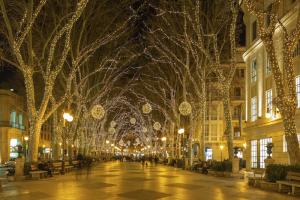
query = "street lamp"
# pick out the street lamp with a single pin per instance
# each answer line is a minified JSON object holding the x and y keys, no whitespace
{"x":163,"y":139}
{"x":26,"y":138}
{"x":221,"y":148}
{"x":69,"y":118}
{"x":181,"y":131}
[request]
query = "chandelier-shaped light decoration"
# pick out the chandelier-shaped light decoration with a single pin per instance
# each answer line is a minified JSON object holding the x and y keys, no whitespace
{"x":185,"y":108}
{"x":147,"y":108}
{"x":98,"y":112}
{"x":157,"y":126}
{"x":145,"y":130}
{"x":132,"y":121}
{"x":112,"y":130}
{"x":113,"y":124}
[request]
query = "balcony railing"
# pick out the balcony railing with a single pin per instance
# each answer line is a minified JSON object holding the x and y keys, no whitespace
{"x":12,"y":125}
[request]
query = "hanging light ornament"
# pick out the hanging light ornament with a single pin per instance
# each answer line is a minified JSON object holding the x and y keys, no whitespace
{"x":145,"y":130}
{"x":133,"y":121}
{"x":156,"y":126}
{"x":111,"y":130}
{"x":185,"y":108}
{"x":98,"y":112}
{"x":147,"y":108}
{"x":113,"y":124}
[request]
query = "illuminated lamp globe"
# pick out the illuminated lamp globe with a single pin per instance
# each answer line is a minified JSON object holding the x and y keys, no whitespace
{"x":144,"y":129}
{"x":185,"y":108}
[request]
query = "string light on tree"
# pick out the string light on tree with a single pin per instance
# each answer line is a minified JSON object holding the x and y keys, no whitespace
{"x":185,"y":108}
{"x":111,"y":130}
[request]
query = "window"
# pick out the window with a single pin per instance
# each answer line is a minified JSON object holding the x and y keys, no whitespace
{"x":13,"y":119}
{"x":297,"y":50}
{"x":254,"y":30}
{"x":237,"y":132}
{"x":242,"y":73}
{"x":206,"y":132}
{"x":237,"y":112}
{"x":254,"y":153}
{"x":284,"y":149}
{"x":298,"y":90}
{"x":214,"y":132}
{"x":253,"y":71}
{"x":253,"y":109}
{"x":237,"y":91}
{"x":21,"y":121}
{"x":268,"y":67}
{"x":263,"y":151}
{"x":269,"y":102}
{"x":214,"y":113}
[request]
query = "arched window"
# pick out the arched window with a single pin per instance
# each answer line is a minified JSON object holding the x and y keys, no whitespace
{"x":13,"y":119}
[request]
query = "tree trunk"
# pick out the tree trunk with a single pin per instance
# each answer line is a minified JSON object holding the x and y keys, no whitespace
{"x":228,"y":120}
{"x":35,"y":132}
{"x":292,"y":140}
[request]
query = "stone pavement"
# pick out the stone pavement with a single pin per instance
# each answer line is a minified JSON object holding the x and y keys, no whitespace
{"x":115,"y":180}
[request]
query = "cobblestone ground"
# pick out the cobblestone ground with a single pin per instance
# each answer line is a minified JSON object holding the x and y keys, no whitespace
{"x":117,"y":180}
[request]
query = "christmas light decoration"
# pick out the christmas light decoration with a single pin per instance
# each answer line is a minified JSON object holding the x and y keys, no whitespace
{"x":112,"y":130}
{"x":98,"y":112}
{"x":144,"y":130}
{"x":185,"y":108}
{"x":113,"y":124}
{"x":132,"y":121}
{"x":157,"y":126}
{"x":147,"y":108}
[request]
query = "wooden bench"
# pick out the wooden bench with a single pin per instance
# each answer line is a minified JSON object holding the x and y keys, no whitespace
{"x":75,"y":163}
{"x":68,"y":166}
{"x":293,"y":182}
{"x":35,"y":173}
{"x":57,"y":167}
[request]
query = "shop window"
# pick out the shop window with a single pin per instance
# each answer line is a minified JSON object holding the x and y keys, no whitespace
{"x":253,"y":71}
{"x":13,"y":119}
{"x":253,"y":109}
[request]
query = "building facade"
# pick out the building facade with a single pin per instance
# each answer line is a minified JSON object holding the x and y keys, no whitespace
{"x":215,"y":140}
{"x":263,"y":121}
{"x":14,"y":128}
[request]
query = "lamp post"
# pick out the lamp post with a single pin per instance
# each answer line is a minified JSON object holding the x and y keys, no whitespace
{"x":67,"y":118}
{"x":180,"y":132}
{"x":221,"y":148}
{"x":26,"y":138}
{"x":164,"y":139}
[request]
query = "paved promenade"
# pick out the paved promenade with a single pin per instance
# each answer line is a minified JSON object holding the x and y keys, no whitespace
{"x":117,"y":180}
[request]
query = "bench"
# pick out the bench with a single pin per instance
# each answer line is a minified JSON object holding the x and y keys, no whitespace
{"x":35,"y":173}
{"x":293,"y":181}
{"x":75,"y":163}
{"x":258,"y":175}
{"x":57,"y":167}
{"x":68,"y":166}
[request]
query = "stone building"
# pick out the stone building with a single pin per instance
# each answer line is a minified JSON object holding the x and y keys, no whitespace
{"x":263,"y":121}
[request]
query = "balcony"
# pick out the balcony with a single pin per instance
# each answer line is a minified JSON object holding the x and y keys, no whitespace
{"x":12,"y":125}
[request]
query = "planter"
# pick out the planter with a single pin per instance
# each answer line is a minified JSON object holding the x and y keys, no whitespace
{"x":269,"y":186}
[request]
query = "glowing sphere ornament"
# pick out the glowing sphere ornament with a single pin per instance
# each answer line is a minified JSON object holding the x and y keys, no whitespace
{"x":147,"y":108}
{"x":133,"y":121}
{"x":98,"y":112}
{"x":157,"y":126}
{"x":145,"y":130}
{"x":185,"y":108}
{"x":111,"y":130}
{"x":113,"y":124}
